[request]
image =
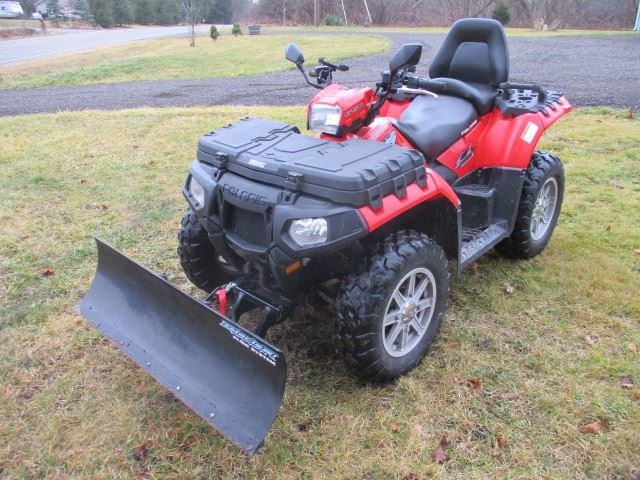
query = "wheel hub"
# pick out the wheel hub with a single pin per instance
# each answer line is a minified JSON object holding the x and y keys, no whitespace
{"x":409,"y":312}
{"x":544,"y":208}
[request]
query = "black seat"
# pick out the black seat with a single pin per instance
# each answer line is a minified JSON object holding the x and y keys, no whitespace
{"x":465,"y":73}
{"x":432,"y":124}
{"x":472,"y":61}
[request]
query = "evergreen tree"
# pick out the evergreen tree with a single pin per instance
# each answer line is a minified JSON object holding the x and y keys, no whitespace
{"x":167,"y":12}
{"x":81,"y":7}
{"x":102,"y":12}
{"x":222,"y":12}
{"x":206,"y":10}
{"x":501,"y":13}
{"x":53,"y":9}
{"x":143,"y":12}
{"x":122,"y":12}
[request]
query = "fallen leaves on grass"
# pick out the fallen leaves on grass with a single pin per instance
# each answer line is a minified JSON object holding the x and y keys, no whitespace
{"x":595,"y":427}
{"x":306,"y":425}
{"x":438,"y":455}
{"x":140,"y":452}
{"x":46,"y":272}
{"x":626,"y":382}
{"x":474,"y":383}
{"x":96,"y":207}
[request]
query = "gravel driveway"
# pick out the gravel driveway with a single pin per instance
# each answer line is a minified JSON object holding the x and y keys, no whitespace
{"x":590,"y":70}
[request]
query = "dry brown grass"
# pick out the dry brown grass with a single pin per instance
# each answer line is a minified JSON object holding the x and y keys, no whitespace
{"x":558,"y":353}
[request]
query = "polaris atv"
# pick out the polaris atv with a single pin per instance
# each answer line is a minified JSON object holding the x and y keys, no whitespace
{"x":402,"y":178}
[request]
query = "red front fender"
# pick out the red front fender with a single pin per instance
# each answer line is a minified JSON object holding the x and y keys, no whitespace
{"x":393,"y":206}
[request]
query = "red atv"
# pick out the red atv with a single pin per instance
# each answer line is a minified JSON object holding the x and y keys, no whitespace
{"x":401,"y":178}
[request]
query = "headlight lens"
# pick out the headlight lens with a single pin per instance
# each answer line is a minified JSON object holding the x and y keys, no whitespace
{"x":309,"y":231}
{"x":325,"y":118}
{"x":197,"y":191}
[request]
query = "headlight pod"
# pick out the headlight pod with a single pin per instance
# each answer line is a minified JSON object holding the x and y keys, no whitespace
{"x":197,"y":191}
{"x":325,"y":118}
{"x":309,"y":231}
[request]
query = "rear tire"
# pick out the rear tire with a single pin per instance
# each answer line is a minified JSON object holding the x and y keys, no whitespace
{"x":390,"y":310}
{"x":197,"y":255}
{"x":539,"y":208}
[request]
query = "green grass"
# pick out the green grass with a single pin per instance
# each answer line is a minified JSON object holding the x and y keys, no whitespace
{"x":173,"y":59}
{"x":20,"y":23}
{"x":510,"y":31}
{"x":550,"y":356}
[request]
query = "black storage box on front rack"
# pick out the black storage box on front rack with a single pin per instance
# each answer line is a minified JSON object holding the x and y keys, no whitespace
{"x":354,"y":172}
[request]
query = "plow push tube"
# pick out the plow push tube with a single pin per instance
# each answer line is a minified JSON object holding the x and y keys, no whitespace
{"x":233,"y":379}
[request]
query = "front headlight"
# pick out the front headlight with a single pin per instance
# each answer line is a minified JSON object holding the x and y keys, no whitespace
{"x":197,"y":191}
{"x":309,"y":231}
{"x":325,"y":118}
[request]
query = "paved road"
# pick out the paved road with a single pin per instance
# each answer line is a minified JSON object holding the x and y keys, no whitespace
{"x":21,"y":49}
{"x":598,"y":70}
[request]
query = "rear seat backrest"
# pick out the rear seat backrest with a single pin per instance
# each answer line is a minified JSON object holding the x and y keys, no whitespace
{"x":474,"y":51}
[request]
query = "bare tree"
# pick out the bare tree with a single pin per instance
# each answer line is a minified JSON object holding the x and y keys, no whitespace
{"x":189,"y":8}
{"x":524,"y":13}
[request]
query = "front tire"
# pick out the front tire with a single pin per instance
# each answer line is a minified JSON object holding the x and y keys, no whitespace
{"x":539,"y":208}
{"x":197,"y":255}
{"x":390,"y":310}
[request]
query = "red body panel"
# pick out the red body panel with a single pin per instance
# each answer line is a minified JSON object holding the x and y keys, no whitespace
{"x":392,"y":206}
{"x":501,"y":141}
{"x":496,"y":140}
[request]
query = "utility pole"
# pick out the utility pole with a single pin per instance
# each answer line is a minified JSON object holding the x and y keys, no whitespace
{"x":316,"y":13}
{"x":368,"y":12}
{"x":637,"y":27}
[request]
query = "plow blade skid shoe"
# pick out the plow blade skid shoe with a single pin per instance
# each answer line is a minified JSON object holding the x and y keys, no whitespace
{"x":233,"y":379}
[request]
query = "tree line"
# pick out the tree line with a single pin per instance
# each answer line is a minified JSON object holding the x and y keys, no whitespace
{"x":521,"y":13}
{"x":109,"y":13}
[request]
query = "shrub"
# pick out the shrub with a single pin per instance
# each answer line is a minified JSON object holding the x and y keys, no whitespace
{"x":332,"y":21}
{"x":501,"y":13}
{"x":213,"y":32}
{"x":236,"y":29}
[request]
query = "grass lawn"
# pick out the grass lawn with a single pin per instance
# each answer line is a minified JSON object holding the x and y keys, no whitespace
{"x":552,"y":345}
{"x":19,"y":23}
{"x":510,"y":31}
{"x":173,"y":59}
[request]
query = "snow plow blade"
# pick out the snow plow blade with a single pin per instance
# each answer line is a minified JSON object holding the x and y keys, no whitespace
{"x":232,"y":378}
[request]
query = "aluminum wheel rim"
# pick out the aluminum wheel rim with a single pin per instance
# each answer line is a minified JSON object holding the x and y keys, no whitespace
{"x":409,"y":311}
{"x":544,"y":209}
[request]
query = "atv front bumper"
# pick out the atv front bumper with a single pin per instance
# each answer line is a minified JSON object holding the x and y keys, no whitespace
{"x":248,"y":221}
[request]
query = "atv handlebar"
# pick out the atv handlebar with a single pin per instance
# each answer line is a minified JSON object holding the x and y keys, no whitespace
{"x":342,"y":67}
{"x":323,"y":73}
